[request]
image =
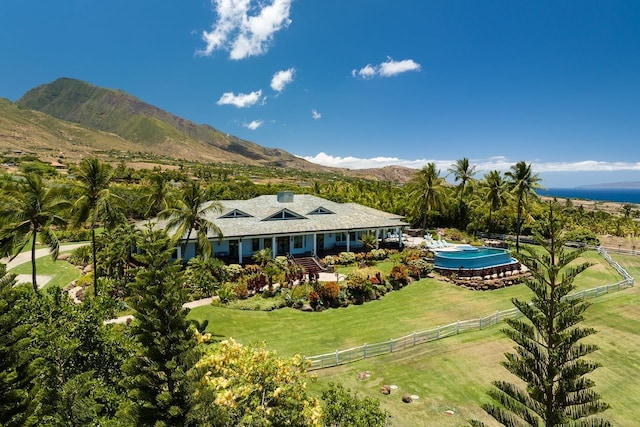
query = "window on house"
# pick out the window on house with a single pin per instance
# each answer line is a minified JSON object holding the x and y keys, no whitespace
{"x":298,"y":242}
{"x":255,"y":245}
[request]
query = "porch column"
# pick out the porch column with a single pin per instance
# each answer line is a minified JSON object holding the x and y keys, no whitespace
{"x":274,"y":247}
{"x":377,"y":233}
{"x":315,"y":243}
{"x":348,"y":241}
{"x":179,"y":253}
{"x":239,"y":251}
{"x":399,"y":234}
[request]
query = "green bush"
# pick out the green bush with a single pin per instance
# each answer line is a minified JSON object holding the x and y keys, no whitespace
{"x":226,"y":293}
{"x":81,"y":255}
{"x":419,"y":268}
{"x":341,"y":408}
{"x":74,"y":235}
{"x":329,"y":292}
{"x":378,"y":254}
{"x":359,"y":288}
{"x":329,"y":260}
{"x":240,"y":290}
{"x":233,"y":271}
{"x":346,"y":258}
{"x":582,"y":235}
{"x":398,"y":276}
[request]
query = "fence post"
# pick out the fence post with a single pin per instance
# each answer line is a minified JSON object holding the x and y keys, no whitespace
{"x":414,"y":338}
{"x":481,"y":323}
{"x":364,"y":348}
{"x":457,"y":327}
{"x":391,"y":345}
{"x":497,"y":316}
{"x":337,"y":358}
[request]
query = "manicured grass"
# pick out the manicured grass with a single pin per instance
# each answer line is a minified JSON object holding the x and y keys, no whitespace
{"x":420,"y":306}
{"x":62,"y":272}
{"x":455,"y":373}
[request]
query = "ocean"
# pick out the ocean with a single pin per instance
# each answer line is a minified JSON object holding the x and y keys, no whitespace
{"x":620,"y":195}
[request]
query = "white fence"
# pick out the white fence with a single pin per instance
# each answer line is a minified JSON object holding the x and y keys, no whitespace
{"x":340,"y":357}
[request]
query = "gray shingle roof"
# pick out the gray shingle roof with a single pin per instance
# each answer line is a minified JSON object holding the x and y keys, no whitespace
{"x":345,"y":216}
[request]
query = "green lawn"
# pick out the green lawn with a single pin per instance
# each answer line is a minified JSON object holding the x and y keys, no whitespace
{"x":62,"y":272}
{"x":453,"y":373}
{"x":417,"y":307}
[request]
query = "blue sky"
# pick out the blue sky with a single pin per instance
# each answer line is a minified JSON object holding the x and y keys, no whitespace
{"x":363,"y":83}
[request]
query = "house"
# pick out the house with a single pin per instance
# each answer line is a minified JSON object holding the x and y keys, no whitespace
{"x":296,"y":225}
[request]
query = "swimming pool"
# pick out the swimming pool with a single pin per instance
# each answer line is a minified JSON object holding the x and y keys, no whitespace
{"x":472,"y":258}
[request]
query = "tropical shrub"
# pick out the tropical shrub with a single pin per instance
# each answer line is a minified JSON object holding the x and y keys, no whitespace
{"x":346,"y":258}
{"x":203,"y":276}
{"x":419,"y":268}
{"x":329,"y":260}
{"x":410,"y":255}
{"x":300,"y":294}
{"x":359,"y":287}
{"x":233,"y":271}
{"x":240,"y":290}
{"x":582,"y":235}
{"x":251,"y":386}
{"x":378,"y":254}
{"x":398,"y":276}
{"x":226,"y":292}
{"x":341,"y":408}
{"x":329,"y":293}
{"x":73,"y":234}
{"x":81,"y":255}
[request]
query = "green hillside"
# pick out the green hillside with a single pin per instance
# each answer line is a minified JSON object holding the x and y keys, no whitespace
{"x":146,"y":128}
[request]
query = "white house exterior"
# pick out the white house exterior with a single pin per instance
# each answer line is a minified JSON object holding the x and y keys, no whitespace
{"x":297,"y":224}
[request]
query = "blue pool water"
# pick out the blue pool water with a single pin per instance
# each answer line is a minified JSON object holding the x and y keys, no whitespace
{"x":470,"y":257}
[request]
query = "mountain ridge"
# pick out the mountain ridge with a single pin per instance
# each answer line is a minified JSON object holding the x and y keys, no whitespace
{"x":73,"y":119}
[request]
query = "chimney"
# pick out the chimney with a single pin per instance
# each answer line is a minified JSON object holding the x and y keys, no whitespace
{"x":285,"y":197}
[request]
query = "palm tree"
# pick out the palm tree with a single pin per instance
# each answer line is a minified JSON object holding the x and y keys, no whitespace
{"x":495,"y":192}
{"x":522,"y":183}
{"x":463,"y":172}
{"x":28,"y":209}
{"x":95,"y":204}
{"x":427,"y":189}
{"x":159,"y":194}
{"x":189,"y":213}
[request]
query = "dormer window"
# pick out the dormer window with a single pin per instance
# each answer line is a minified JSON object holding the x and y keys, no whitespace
{"x":320,"y":211}
{"x":284,"y":214}
{"x":236,"y":213}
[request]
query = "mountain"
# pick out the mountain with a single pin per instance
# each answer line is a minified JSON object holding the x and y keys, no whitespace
{"x":94,"y":119}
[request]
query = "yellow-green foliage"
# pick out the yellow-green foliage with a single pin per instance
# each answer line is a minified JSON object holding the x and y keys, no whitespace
{"x":253,"y":386}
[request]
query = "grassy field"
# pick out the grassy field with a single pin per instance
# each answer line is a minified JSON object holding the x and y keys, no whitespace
{"x":454,"y":374}
{"x":62,"y":273}
{"x":451,"y":374}
{"x":417,"y":307}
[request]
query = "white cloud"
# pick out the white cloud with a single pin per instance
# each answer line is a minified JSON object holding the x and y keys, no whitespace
{"x":253,"y":125}
{"x":245,"y":27}
{"x":482,"y":165}
{"x":366,"y":72}
{"x":240,"y":100}
{"x":315,"y":114}
{"x":281,"y":79}
{"x":388,"y":68}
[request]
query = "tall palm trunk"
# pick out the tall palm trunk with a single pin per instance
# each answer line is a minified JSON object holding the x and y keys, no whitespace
{"x":95,"y":260}
{"x":33,"y":264}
